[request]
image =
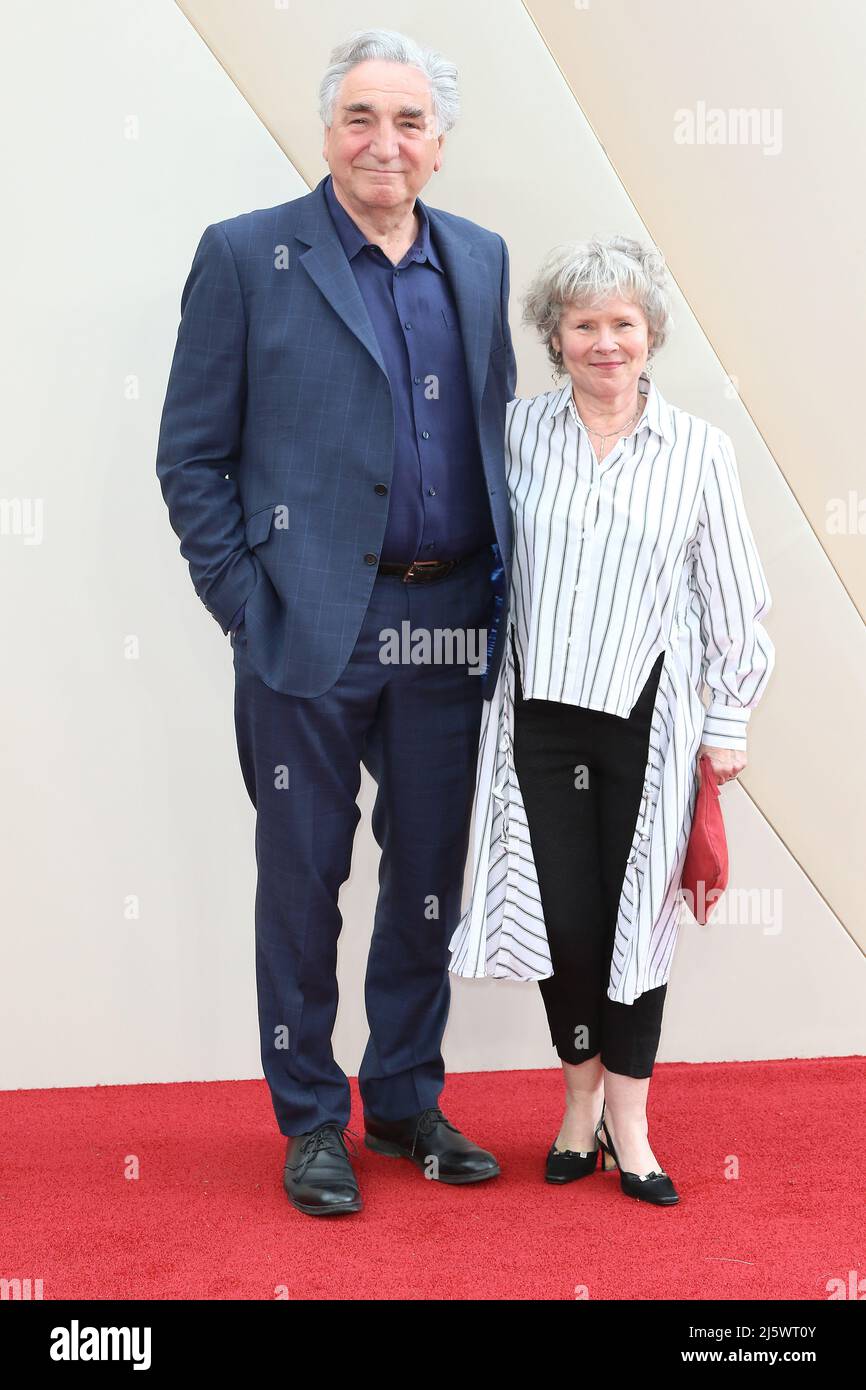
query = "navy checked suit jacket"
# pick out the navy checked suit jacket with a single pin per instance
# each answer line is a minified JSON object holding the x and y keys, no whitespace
{"x":278,"y":425}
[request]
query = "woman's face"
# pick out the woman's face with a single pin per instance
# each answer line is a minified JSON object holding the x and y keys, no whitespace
{"x":605,"y":348}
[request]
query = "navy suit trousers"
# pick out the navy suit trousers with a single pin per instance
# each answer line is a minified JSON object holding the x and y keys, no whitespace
{"x":415,"y":727}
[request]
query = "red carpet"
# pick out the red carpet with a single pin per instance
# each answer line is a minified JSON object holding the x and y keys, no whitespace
{"x":208,"y":1218}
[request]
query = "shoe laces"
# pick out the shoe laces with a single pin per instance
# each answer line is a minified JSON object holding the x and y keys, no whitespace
{"x":328,"y":1138}
{"x":427,"y":1122}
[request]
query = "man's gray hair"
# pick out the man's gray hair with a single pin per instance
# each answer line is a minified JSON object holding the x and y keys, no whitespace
{"x":585,"y":273}
{"x":391,"y":47}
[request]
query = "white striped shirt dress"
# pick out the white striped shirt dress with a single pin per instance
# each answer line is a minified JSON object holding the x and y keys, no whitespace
{"x":650,"y":551}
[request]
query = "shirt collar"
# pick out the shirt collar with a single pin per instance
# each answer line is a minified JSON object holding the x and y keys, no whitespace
{"x":353,"y":239}
{"x":657,"y":412}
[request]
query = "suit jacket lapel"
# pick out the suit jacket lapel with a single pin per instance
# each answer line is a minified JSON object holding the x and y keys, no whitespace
{"x":472,"y":297}
{"x":325,"y":262}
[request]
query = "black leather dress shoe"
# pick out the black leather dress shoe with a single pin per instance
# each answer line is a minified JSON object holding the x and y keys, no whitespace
{"x":566,"y":1165}
{"x":433,"y":1144}
{"x":318,"y":1175}
{"x":655,"y":1187}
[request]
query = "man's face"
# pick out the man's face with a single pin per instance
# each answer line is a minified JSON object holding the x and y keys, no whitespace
{"x":381,"y":148}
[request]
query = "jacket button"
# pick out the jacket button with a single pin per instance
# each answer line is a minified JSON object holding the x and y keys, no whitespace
{"x":381,"y":489}
{"x":370,"y":558}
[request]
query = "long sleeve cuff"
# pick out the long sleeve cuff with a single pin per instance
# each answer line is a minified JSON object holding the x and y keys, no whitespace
{"x":726,"y":726}
{"x":232,"y":589}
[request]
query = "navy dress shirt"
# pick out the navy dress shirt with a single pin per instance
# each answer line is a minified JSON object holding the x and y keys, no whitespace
{"x":438,"y":505}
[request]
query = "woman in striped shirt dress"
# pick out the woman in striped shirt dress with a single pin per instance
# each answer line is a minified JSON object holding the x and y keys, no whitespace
{"x":636,"y":586}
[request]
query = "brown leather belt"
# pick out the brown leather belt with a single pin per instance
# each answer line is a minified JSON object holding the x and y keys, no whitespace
{"x":421,"y":571}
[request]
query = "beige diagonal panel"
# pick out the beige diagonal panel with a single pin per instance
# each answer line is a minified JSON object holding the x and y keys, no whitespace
{"x":737,"y":131}
{"x":761,"y":223}
{"x":525,"y":162}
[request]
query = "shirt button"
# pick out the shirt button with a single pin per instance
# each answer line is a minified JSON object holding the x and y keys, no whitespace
{"x":407,"y":325}
{"x":425,"y":434}
{"x":431,"y":492}
{"x":381,"y":489}
{"x":370,"y":558}
{"x":417,"y":380}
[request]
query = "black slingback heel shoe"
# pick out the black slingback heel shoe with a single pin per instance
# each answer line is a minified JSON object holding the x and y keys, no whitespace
{"x":564,"y":1165}
{"x":655,"y":1187}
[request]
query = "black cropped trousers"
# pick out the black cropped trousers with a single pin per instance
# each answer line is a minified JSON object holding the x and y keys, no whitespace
{"x":581,"y":775}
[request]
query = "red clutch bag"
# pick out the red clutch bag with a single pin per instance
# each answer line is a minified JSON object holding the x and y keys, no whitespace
{"x":705,"y":872}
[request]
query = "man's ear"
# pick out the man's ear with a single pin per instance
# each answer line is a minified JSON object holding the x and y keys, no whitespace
{"x":438,"y":161}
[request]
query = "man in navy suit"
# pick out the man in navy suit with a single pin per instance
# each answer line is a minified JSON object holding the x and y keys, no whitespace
{"x":331,"y":454}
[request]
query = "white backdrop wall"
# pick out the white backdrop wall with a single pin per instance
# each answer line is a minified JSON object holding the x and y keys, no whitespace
{"x":128,"y":862}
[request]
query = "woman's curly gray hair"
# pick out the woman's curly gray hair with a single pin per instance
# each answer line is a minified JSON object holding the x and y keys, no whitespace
{"x":586,"y":273}
{"x":393,"y":47}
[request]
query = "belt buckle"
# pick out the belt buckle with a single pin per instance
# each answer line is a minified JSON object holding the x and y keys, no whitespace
{"x":409,"y":576}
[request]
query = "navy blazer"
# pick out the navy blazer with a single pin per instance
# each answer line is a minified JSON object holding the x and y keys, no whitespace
{"x":277,"y":430}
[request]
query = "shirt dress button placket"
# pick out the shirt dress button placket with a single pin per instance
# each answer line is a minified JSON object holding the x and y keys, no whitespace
{"x":643,"y":828}
{"x":501,"y":795}
{"x":585,"y":536}
{"x":501,"y":789}
{"x":578,"y":625}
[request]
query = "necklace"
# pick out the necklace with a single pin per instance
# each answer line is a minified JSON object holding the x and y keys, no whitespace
{"x":613,"y":434}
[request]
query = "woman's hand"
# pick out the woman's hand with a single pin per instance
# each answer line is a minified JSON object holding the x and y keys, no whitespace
{"x":726,"y":763}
